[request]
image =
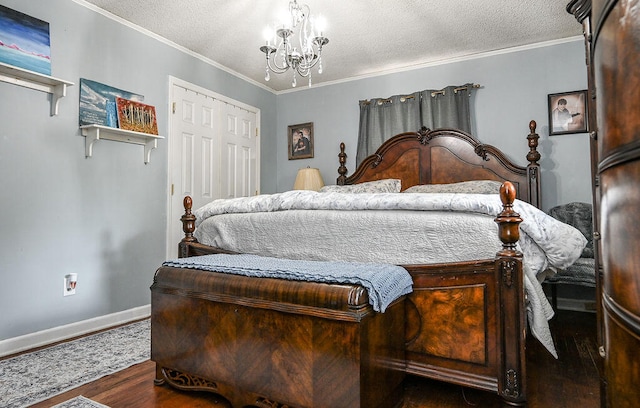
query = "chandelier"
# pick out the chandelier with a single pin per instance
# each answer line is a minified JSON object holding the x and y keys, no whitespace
{"x":301,"y":57}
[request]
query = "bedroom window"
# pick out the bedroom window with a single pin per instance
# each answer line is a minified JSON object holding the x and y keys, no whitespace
{"x":382,"y":118}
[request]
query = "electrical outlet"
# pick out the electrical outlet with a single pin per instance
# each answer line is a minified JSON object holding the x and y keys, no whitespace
{"x":70,"y":282}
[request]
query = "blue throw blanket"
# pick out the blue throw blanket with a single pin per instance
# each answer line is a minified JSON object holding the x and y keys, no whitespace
{"x":384,"y":283}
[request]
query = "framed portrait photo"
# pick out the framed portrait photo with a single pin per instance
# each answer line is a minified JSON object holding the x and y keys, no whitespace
{"x":568,"y":113}
{"x":300,"y":141}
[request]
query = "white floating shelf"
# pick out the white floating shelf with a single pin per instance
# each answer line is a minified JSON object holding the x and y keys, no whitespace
{"x":94,"y":133}
{"x":40,"y":82}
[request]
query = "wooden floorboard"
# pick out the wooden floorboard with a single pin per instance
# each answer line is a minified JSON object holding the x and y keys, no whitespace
{"x":570,"y":381}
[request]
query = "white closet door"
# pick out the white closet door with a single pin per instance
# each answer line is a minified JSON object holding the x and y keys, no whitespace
{"x":213,"y":152}
{"x":239,"y":155}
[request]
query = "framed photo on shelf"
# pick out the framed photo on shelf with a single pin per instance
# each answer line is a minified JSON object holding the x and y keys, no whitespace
{"x":136,"y":116}
{"x":98,"y":103}
{"x":568,"y":113}
{"x":300,"y":141}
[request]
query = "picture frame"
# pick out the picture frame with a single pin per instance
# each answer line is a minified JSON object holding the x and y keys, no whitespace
{"x":300,"y":141}
{"x":98,"y":103}
{"x":568,"y":113}
{"x":136,"y":116}
{"x":27,"y":42}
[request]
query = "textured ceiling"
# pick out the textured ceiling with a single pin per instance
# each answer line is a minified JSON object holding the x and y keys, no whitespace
{"x":366,"y":37}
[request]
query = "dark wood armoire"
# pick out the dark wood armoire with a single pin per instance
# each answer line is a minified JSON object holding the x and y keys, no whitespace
{"x":612,"y":38}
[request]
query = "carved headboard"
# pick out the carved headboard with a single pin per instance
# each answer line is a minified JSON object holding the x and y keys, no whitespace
{"x":446,"y":156}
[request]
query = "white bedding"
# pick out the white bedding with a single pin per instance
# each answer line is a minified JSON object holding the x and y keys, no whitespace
{"x":392,"y":228}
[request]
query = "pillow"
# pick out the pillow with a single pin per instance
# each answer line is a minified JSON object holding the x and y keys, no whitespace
{"x":465,"y":187}
{"x":378,"y":186}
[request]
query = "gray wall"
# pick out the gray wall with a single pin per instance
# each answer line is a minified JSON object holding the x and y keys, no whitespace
{"x":102,"y":217}
{"x":514,"y":91}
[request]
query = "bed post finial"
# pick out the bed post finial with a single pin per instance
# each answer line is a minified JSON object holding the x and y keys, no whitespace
{"x":533,"y":156}
{"x":533,"y":168}
{"x":508,"y":221}
{"x":188,"y":221}
{"x":342,"y":170}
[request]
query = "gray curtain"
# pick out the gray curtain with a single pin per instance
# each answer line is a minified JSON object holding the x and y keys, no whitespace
{"x":446,"y":108}
{"x":381,"y":119}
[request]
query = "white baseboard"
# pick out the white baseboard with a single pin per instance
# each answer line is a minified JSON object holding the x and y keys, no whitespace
{"x":68,"y":331}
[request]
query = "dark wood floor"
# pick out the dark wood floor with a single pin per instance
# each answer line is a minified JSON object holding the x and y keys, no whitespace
{"x":570,"y":381}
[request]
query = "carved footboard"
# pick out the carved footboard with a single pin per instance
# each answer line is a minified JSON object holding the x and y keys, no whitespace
{"x":275,"y":343}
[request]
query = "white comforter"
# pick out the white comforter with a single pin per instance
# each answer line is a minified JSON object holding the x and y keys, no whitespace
{"x":394,"y":228}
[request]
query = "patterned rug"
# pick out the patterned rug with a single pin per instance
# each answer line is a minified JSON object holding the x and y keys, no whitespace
{"x":36,"y":376}
{"x":80,"y":402}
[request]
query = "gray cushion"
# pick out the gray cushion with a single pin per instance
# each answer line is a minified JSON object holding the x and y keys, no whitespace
{"x":581,"y":272}
{"x":580,"y":216}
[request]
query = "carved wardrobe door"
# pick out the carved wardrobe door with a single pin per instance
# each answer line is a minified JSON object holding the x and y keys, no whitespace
{"x":616,"y":79}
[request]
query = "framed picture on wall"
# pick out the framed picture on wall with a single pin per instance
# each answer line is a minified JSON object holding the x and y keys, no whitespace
{"x":568,"y":113}
{"x":26,"y":41}
{"x":300,"y":141}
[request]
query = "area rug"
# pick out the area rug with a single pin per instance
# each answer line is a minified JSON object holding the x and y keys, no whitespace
{"x":36,"y":376}
{"x":80,"y":402}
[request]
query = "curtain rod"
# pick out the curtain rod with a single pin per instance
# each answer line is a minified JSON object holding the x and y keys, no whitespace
{"x":455,"y":90}
{"x":433,"y":94}
{"x":381,"y":101}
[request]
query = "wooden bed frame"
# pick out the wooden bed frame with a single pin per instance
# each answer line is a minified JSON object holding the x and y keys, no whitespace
{"x":274,"y":343}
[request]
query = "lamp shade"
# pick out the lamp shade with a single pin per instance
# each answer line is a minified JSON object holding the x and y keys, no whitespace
{"x":308,"y":179}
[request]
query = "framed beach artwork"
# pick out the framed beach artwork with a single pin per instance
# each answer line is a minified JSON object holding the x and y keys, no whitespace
{"x":568,"y":113}
{"x":98,"y":103}
{"x":24,"y":41}
{"x":300,"y":141}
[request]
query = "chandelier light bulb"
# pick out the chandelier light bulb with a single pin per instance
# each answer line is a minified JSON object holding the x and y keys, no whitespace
{"x":284,"y":19}
{"x":267,"y":34}
{"x":320,"y":25}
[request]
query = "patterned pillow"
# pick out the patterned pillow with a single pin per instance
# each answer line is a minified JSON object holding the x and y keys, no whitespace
{"x":378,"y":186}
{"x":465,"y":187}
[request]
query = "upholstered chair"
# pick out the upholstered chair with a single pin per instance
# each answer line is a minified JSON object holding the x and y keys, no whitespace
{"x":582,"y":272}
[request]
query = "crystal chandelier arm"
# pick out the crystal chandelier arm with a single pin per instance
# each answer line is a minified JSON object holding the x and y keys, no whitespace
{"x":273,"y":66}
{"x":306,"y":64}
{"x":281,"y":58}
{"x":273,"y":54}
